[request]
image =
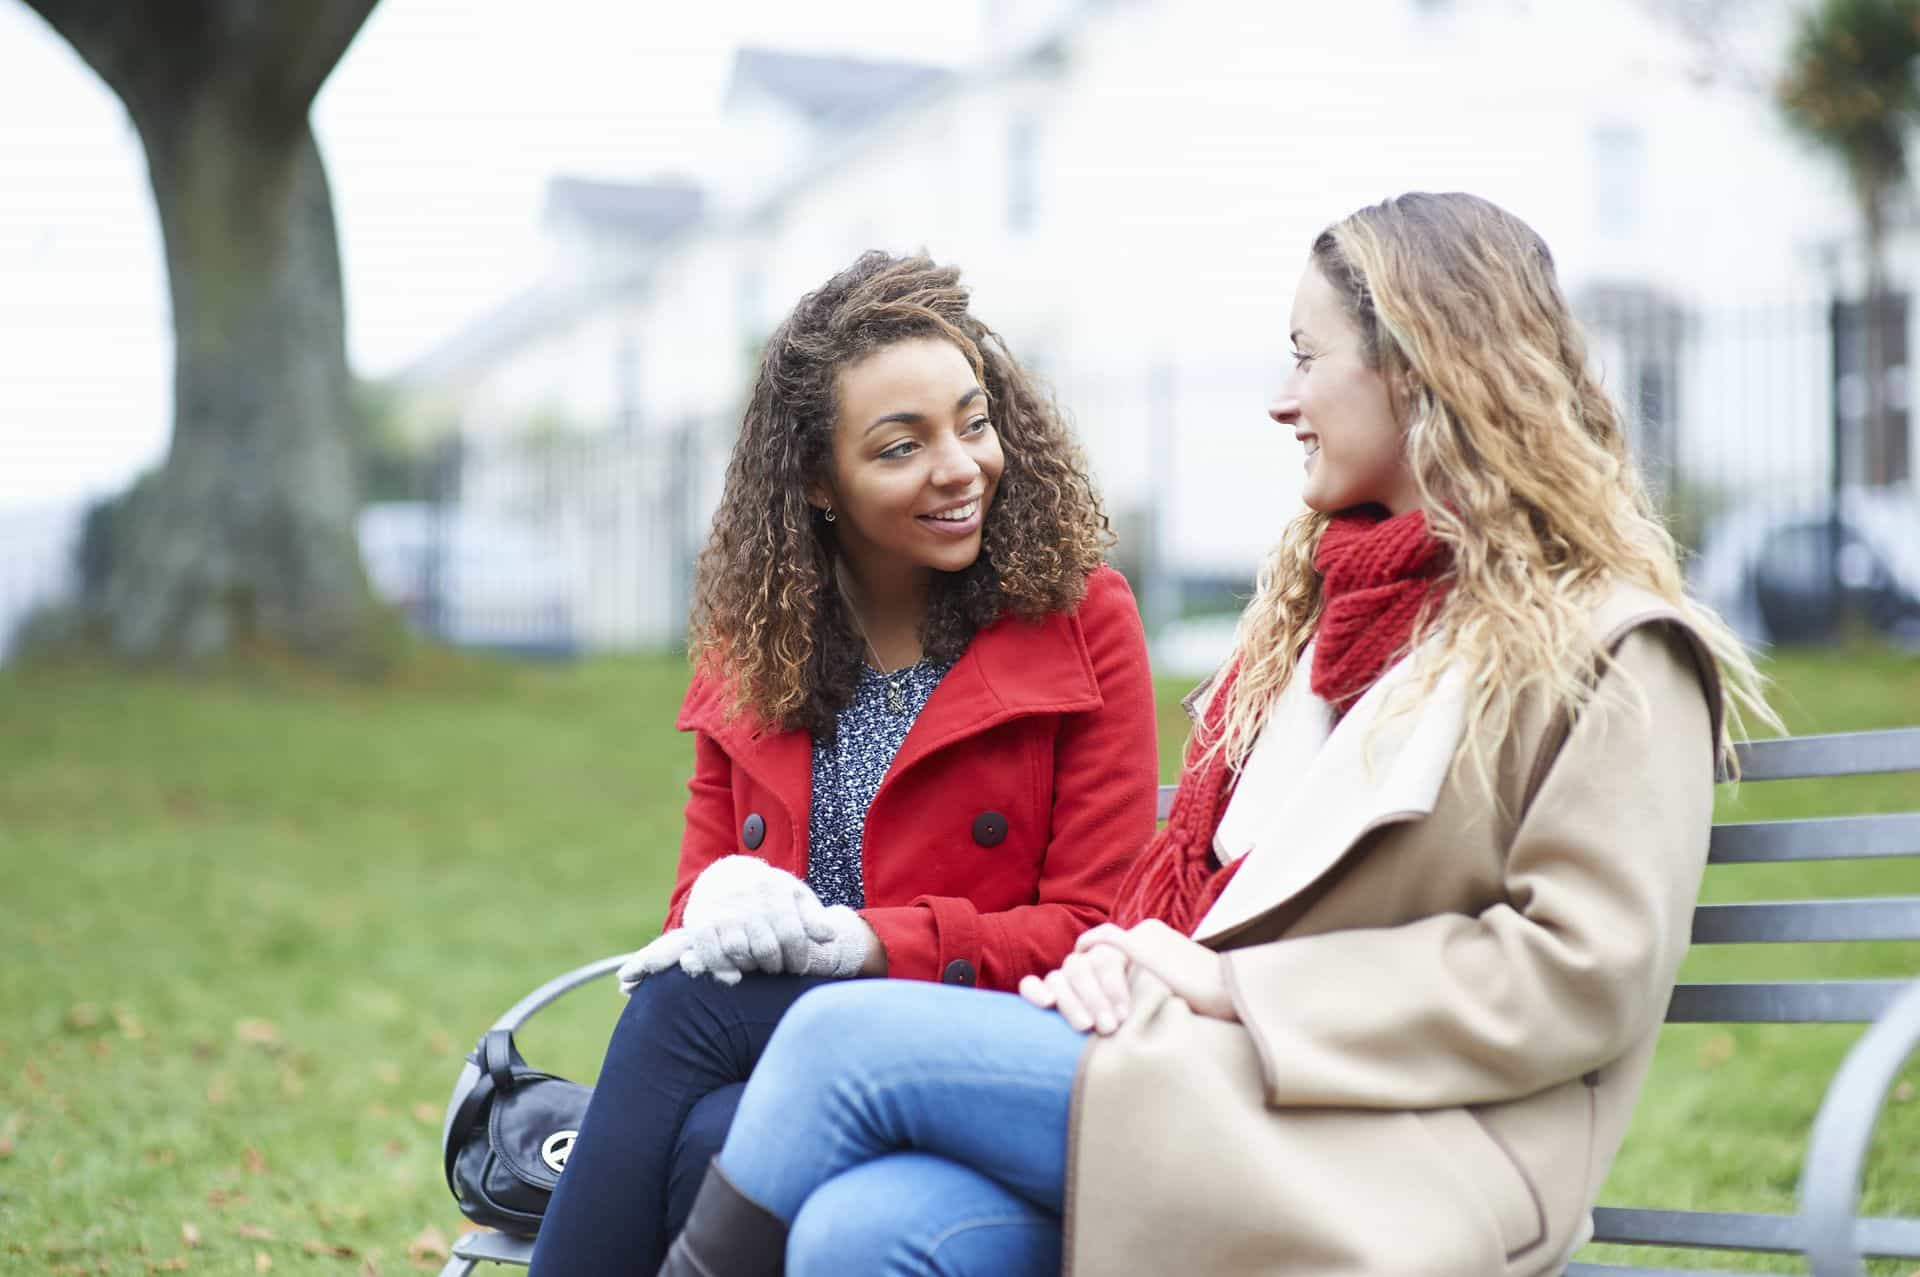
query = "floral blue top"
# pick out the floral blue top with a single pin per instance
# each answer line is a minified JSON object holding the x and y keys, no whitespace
{"x":847,"y":774}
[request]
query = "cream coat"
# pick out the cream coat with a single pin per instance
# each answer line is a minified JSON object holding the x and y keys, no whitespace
{"x":1447,"y":1004}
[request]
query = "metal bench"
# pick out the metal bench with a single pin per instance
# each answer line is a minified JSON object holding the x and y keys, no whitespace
{"x":1828,"y":1229}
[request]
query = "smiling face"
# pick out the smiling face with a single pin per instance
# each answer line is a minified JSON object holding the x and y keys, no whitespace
{"x":1339,"y":408}
{"x":915,"y":462}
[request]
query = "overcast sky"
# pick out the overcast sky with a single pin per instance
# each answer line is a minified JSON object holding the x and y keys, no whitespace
{"x":440,"y":129}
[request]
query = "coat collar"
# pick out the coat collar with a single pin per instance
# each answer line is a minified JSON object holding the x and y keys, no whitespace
{"x":1374,"y":768}
{"x":1013,"y":668}
{"x":1341,"y":778}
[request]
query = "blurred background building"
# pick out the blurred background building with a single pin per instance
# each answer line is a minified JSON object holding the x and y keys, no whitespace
{"x":1131,"y":187}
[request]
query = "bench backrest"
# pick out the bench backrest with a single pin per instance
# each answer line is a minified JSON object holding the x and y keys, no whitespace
{"x":1827,"y":1227}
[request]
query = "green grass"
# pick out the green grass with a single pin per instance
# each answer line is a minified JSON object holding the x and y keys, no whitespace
{"x":248,"y":926}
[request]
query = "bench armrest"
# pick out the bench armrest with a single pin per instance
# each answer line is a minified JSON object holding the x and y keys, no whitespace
{"x":1837,"y":1154}
{"x":523,"y":1010}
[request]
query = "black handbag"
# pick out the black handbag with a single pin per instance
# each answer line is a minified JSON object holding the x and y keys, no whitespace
{"x":510,"y":1127}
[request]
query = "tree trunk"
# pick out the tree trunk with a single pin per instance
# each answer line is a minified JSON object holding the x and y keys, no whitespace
{"x":1882,"y":456}
{"x":245,"y":536}
{"x":247,"y":532}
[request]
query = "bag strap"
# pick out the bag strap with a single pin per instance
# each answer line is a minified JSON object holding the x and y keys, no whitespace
{"x":493,"y":1058}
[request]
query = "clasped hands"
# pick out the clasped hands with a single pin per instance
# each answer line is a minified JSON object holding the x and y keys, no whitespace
{"x":1090,"y":988}
{"x":745,"y":915}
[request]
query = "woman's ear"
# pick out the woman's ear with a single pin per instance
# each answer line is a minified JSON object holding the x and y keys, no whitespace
{"x":819,"y":496}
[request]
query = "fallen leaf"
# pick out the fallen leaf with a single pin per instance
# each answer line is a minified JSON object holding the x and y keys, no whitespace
{"x":130,"y":1026}
{"x":397,"y":1147}
{"x":328,"y":1249}
{"x":1716,"y":1050}
{"x":178,"y":1264}
{"x":256,"y":1164}
{"x":1902,"y":1093}
{"x":189,"y":1235}
{"x":387,"y":1072}
{"x":82,"y":1016}
{"x":100,"y":1048}
{"x":161,"y":1156}
{"x":431,"y":1244}
{"x":368,"y":1268}
{"x":58,"y":1163}
{"x":35,"y":1078}
{"x":219,"y":1089}
{"x":260,"y":1033}
{"x":379,"y":1112}
{"x":291,"y":1084}
{"x":6,"y":1147}
{"x":253,"y":1233}
{"x":262,"y":1262}
{"x":201,"y":1049}
{"x":439,"y":1042}
{"x":426,"y":1114}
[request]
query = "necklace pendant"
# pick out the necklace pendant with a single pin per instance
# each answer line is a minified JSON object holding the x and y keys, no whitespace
{"x":896,"y":696}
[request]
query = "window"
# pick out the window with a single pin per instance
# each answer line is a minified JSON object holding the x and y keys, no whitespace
{"x":1023,"y":173}
{"x":1618,"y":152}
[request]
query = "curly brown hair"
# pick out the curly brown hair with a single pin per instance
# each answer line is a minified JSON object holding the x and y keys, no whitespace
{"x":767,"y":616}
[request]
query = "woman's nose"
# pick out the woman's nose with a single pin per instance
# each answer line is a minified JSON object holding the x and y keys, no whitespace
{"x":1285,"y":410}
{"x":953,"y":464}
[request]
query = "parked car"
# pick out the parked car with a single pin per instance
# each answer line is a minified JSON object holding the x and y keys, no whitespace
{"x":470,"y":579}
{"x":1773,"y":573}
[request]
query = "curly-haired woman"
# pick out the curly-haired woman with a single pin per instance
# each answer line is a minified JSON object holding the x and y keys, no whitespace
{"x":1380,"y":996}
{"x":923,"y":725}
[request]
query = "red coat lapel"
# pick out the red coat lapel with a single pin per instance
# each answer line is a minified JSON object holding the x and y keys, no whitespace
{"x":1011,"y":669}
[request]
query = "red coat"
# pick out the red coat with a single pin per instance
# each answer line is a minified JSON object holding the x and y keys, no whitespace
{"x":1007,"y":819}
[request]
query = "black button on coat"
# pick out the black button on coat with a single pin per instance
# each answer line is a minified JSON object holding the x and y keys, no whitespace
{"x":990,"y":829}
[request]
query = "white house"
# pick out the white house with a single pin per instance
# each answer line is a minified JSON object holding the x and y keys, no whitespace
{"x":1131,"y":187}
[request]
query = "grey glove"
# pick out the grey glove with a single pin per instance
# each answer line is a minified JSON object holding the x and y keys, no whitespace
{"x":745,"y":915}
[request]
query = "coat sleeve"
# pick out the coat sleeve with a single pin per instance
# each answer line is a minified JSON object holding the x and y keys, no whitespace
{"x":1563,"y":976}
{"x":707,"y":833}
{"x":1106,"y":771}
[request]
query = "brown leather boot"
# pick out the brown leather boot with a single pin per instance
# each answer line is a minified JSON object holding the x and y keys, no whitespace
{"x":728,"y":1234}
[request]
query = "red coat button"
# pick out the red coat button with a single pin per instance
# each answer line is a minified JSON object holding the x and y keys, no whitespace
{"x":990,"y":829}
{"x":754,"y":831}
{"x":960,"y":972}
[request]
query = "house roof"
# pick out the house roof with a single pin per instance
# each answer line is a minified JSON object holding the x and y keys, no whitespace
{"x":646,"y":210}
{"x":831,"y":89}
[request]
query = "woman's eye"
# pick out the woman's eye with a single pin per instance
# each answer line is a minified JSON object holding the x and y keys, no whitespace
{"x":1301,"y":359}
{"x":901,"y":449}
{"x":977,"y":425}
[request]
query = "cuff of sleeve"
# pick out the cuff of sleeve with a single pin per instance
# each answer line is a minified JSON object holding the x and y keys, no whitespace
{"x":933,"y":938}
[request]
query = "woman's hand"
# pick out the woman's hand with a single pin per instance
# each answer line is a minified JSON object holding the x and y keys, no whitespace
{"x":1089,"y":989}
{"x":1192,"y":971}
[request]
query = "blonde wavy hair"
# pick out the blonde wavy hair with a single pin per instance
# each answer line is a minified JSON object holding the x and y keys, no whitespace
{"x":1522,"y":468}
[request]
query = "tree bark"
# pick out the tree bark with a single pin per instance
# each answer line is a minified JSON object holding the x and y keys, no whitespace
{"x":245,"y":535}
{"x":1882,"y":457}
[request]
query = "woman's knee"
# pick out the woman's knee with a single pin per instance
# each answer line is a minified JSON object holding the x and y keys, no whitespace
{"x":841,"y":1017}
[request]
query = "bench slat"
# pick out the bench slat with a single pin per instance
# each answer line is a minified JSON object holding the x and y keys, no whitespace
{"x":1841,"y":754}
{"x":1805,"y":921}
{"x":494,"y":1248}
{"x":1824,"y":838}
{"x":1734,"y":1230}
{"x":1783,"y":1002}
{"x":1623,"y":1270}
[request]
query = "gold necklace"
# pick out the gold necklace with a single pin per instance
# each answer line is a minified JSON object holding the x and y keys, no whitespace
{"x":896,"y":680}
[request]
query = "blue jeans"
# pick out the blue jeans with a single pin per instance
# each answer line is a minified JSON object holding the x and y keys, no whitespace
{"x":909,"y":1128}
{"x":674,"y":1071}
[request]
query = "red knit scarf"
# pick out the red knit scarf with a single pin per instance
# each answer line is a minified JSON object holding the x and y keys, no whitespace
{"x":1375,"y":573}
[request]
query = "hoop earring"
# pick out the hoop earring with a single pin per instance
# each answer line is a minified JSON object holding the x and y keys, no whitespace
{"x":828,"y":514}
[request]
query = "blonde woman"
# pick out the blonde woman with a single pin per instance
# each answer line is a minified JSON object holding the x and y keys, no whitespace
{"x":1380,"y":995}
